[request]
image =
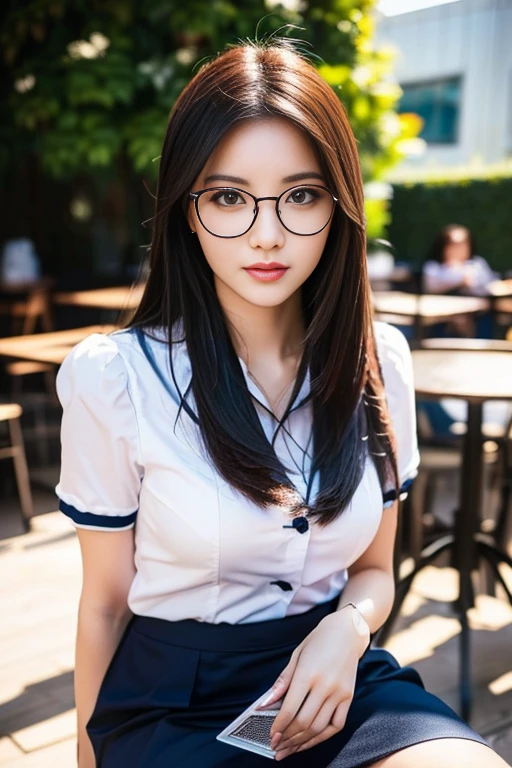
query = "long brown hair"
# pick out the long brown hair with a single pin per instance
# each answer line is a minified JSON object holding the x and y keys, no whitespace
{"x":350,"y":419}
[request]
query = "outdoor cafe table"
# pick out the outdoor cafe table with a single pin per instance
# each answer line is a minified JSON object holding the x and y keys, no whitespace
{"x":48,"y":347}
{"x":500,"y":292}
{"x":475,"y":376}
{"x":426,"y":309}
{"x":500,"y":288}
{"x":118,"y":298}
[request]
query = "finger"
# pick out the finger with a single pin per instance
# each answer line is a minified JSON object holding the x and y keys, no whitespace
{"x":335,"y":726}
{"x":307,"y":713}
{"x":328,"y":733}
{"x":339,"y":717}
{"x":284,"y":753}
{"x":282,"y":683}
{"x":318,"y":723}
{"x":293,"y":701}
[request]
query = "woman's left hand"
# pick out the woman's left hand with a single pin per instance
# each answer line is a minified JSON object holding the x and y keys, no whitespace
{"x":319,"y":684}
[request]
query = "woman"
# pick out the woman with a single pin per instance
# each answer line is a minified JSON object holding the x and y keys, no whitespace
{"x":453,"y":266}
{"x":241,"y":420}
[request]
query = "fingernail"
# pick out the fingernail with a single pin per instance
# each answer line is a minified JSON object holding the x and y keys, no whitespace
{"x":266,"y":700}
{"x":276,"y":738}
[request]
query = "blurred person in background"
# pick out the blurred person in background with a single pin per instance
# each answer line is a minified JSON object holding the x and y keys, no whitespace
{"x":453,"y":267}
{"x":232,"y":460}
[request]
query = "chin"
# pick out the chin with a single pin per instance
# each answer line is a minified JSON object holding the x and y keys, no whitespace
{"x":268,"y":298}
{"x":263,"y":295}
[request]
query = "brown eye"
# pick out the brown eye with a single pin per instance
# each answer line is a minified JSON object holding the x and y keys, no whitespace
{"x":302,"y":196}
{"x":299,"y":196}
{"x":228,"y":198}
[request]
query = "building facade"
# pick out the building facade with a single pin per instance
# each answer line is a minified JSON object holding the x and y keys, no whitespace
{"x":454,"y":64}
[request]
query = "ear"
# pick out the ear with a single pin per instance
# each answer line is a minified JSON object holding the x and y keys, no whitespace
{"x":192,"y":217}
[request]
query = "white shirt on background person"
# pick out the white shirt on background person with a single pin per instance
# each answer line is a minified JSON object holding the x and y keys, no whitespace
{"x":440,"y":278}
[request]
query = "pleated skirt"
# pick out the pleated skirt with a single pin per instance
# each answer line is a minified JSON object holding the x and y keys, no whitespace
{"x":173,"y":686}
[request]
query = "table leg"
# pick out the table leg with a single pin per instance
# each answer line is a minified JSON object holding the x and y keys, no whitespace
{"x":494,"y":557}
{"x":465,"y":663}
{"x":466,"y":526}
{"x":418,"y":329}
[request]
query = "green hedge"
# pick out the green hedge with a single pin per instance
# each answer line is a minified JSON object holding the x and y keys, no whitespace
{"x":420,"y":210}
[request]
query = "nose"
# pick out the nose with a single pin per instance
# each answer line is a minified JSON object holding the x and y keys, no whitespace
{"x":267,"y":232}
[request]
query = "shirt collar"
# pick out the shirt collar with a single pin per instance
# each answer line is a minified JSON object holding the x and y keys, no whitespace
{"x":182,"y":369}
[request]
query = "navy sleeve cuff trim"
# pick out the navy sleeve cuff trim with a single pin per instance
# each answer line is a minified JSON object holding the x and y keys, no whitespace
{"x":392,"y":495}
{"x":98,"y":521}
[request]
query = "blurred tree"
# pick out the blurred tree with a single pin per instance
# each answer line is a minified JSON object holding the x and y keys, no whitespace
{"x":88,"y":84}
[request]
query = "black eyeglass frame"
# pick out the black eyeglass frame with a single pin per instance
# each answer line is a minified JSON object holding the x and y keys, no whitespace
{"x":196,"y":195}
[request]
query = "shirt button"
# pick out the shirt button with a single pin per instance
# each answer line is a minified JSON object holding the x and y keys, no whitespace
{"x":284,"y":585}
{"x":300,"y":524}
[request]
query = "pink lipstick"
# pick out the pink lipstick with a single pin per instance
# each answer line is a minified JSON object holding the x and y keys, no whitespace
{"x":266,"y":271}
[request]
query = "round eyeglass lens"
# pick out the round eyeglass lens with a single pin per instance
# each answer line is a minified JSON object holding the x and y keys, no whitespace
{"x":229,"y":212}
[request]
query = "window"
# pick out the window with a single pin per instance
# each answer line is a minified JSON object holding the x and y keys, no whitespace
{"x":438,"y":103}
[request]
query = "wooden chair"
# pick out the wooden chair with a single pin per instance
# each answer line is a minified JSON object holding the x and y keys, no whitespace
{"x":15,"y":450}
{"x":501,"y":527}
{"x":27,"y":305}
{"x":39,"y":403}
{"x":28,"y":368}
{"x":440,"y":460}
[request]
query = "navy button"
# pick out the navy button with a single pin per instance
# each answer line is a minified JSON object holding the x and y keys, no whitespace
{"x":300,"y":524}
{"x":284,"y":585}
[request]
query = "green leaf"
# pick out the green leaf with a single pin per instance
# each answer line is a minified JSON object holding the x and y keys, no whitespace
{"x":87,"y":113}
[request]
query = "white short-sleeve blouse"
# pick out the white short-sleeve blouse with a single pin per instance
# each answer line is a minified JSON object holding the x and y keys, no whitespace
{"x":202,"y":550}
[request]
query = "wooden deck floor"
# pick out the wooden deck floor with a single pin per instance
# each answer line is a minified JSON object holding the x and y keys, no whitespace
{"x":39,"y":587}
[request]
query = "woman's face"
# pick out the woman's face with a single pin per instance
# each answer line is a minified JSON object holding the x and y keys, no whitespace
{"x":457,"y":250}
{"x":265,"y":158}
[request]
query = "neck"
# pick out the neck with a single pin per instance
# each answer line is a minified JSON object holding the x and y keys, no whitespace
{"x":264,"y":333}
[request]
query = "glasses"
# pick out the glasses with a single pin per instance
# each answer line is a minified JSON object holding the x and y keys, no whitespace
{"x":231,"y":212}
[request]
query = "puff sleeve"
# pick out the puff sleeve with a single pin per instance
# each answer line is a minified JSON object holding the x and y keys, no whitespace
{"x":396,"y":363}
{"x":101,"y":469}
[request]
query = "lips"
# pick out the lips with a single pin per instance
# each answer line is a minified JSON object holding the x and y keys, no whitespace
{"x":267,"y":265}
{"x":266,"y":272}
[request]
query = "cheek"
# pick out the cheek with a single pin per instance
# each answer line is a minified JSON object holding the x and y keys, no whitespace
{"x":318,"y":247}
{"x":212,"y":253}
{"x":217,"y":252}
{"x":308,"y":252}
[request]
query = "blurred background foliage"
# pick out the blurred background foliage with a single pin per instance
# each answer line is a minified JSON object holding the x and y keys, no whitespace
{"x":87,"y":86}
{"x":91,"y":80}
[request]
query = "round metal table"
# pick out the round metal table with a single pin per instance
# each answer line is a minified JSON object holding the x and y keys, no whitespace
{"x":424,"y":310}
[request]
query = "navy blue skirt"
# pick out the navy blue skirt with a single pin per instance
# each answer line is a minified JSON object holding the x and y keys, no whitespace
{"x":173,"y":686}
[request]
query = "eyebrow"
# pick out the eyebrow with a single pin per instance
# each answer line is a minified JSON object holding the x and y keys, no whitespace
{"x":287,"y":179}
